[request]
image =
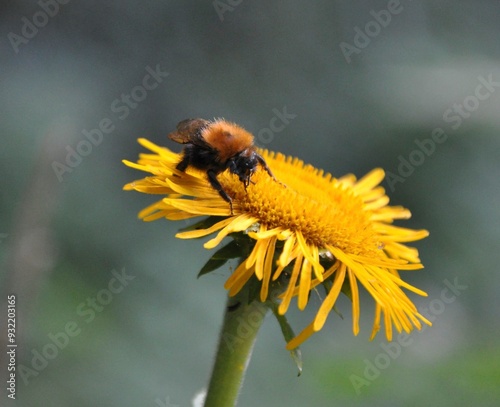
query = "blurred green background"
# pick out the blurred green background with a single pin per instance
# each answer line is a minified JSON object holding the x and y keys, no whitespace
{"x":368,"y":84}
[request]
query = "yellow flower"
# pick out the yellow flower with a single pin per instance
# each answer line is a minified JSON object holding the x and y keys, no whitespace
{"x":311,"y":217}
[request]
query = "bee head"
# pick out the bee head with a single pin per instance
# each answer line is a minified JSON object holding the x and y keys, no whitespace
{"x":244,"y":165}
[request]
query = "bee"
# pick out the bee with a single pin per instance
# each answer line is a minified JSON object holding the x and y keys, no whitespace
{"x":214,"y":146}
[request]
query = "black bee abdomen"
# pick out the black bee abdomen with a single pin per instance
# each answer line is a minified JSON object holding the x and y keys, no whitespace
{"x":202,"y":159}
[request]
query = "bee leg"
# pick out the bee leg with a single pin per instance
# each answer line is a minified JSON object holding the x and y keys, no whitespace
{"x":184,"y":163}
{"x":262,"y":162}
{"x":212,"y":178}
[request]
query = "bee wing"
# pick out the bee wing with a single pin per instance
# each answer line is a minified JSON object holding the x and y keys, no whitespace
{"x":189,"y":131}
{"x":181,"y":138}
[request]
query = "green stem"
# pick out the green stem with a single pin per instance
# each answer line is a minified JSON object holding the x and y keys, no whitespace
{"x":238,"y":333}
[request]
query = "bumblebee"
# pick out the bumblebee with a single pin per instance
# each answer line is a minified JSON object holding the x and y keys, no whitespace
{"x":214,"y":146}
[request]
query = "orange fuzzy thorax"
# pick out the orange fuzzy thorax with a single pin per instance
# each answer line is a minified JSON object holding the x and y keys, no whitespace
{"x":227,"y":138}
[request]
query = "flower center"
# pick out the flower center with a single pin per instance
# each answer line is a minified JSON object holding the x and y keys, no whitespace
{"x":322,"y":208}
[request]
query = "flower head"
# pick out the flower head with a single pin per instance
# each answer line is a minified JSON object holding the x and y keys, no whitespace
{"x":313,"y":228}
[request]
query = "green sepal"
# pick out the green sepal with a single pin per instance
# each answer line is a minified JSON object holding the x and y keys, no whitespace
{"x":241,"y":246}
{"x":288,"y":335}
{"x":253,"y":287}
{"x":202,"y":224}
{"x":346,"y":289}
{"x":211,"y":265}
{"x":220,"y":257}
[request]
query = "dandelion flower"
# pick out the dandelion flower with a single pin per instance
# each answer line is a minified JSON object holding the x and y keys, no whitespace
{"x":316,"y":229}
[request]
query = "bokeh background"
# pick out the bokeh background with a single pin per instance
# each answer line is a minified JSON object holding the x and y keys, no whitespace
{"x":368,"y":83}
